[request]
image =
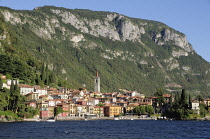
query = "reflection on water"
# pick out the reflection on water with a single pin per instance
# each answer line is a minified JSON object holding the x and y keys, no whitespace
{"x":106,"y":129}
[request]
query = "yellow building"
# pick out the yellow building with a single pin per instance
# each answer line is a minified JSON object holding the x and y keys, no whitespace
{"x":112,"y":111}
{"x":32,"y":96}
{"x":99,"y":111}
{"x":130,"y":108}
{"x":72,"y":110}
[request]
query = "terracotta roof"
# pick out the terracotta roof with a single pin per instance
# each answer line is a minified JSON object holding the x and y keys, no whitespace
{"x":122,"y":102}
{"x":132,"y":105}
{"x":195,"y":101}
{"x":96,"y":92}
{"x":112,"y":106}
{"x":43,"y":96}
{"x":57,"y":94}
{"x":61,"y":104}
{"x":25,"y":86}
{"x":3,"y":77}
{"x":166,"y":95}
{"x":31,"y":93}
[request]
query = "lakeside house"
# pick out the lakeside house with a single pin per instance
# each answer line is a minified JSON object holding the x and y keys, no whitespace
{"x":195,"y":106}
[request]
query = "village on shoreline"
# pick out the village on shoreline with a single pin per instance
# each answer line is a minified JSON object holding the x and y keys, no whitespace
{"x":80,"y":104}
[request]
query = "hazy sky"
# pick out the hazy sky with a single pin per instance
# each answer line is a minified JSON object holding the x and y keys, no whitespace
{"x":191,"y":17}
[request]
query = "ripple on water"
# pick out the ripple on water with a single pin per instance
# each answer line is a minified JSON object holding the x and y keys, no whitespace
{"x":107,"y":129}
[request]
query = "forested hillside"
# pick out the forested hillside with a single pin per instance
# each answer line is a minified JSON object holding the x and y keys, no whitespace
{"x":51,"y":45}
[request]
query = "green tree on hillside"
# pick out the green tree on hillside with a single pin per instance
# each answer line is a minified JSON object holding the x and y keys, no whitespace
{"x":159,"y":101}
{"x":160,"y":98}
{"x":183,"y":100}
{"x":57,"y":110}
{"x":200,"y":98}
{"x":148,"y":109}
{"x":1,"y":83}
{"x":180,"y":107}
{"x":3,"y":101}
{"x":190,"y":102}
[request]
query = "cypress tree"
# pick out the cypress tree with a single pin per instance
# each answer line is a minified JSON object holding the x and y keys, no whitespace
{"x":47,"y":75}
{"x":170,"y":102}
{"x":176,"y":101}
{"x":43,"y":74}
{"x":190,"y":103}
{"x":15,"y":85}
{"x":53,"y":78}
{"x":183,"y":101}
{"x":1,"y":83}
{"x":38,"y":80}
{"x":12,"y":87}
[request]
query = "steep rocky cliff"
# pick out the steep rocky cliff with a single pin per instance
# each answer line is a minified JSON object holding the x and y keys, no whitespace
{"x":129,"y":53}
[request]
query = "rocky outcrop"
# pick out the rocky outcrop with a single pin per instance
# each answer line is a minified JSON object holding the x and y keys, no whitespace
{"x":168,"y":36}
{"x":124,"y":30}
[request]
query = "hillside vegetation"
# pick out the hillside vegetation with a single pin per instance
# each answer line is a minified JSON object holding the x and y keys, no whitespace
{"x":51,"y":45}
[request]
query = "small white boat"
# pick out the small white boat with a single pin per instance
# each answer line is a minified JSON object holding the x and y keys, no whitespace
{"x":116,"y":118}
{"x":86,"y":119}
{"x":50,"y":120}
{"x":131,"y":119}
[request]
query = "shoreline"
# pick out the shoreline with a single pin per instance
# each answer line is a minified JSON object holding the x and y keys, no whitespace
{"x":96,"y":118}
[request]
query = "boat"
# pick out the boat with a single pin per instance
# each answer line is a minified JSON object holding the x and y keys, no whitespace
{"x":50,"y":120}
{"x":116,"y":118}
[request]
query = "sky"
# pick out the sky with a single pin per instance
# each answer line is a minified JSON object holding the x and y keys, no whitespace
{"x":191,"y":17}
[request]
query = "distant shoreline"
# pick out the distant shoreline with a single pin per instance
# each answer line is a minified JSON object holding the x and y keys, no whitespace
{"x":101,"y":118}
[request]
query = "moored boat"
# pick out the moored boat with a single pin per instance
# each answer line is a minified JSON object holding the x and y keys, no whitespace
{"x":116,"y":118}
{"x":50,"y":120}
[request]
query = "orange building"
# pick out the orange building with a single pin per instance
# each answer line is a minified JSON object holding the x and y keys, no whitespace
{"x":112,"y":111}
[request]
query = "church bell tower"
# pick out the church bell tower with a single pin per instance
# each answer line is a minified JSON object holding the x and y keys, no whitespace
{"x":97,"y":83}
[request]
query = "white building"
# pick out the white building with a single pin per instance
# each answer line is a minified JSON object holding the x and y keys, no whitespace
{"x":95,"y":102}
{"x":25,"y":89}
{"x":41,"y":91}
{"x":52,"y":103}
{"x":9,"y":81}
{"x":195,"y":106}
{"x":6,"y":86}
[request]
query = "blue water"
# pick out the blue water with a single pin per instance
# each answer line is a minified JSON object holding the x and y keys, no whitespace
{"x":106,"y":129}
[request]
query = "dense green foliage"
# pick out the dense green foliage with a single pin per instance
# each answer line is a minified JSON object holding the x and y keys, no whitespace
{"x":13,"y":105}
{"x":57,"y":110}
{"x":181,"y":108}
{"x":58,"y":61}
{"x":148,"y":109}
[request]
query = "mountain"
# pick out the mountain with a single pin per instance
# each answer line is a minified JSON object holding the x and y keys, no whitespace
{"x":129,"y":53}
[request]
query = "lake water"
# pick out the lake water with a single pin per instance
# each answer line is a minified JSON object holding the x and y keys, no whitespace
{"x":106,"y":129}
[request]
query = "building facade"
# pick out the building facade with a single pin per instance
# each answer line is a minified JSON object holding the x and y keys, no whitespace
{"x":112,"y":111}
